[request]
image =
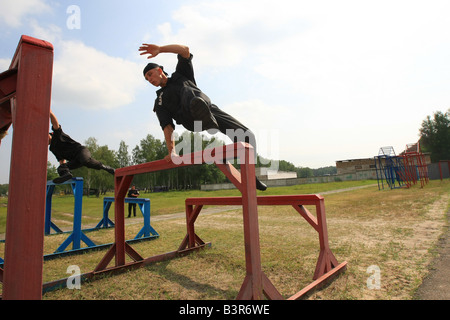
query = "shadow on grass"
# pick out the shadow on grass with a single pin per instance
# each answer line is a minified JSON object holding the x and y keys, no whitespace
{"x":204,"y":289}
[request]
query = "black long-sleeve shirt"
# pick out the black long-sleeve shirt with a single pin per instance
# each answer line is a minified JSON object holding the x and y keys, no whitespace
{"x":63,"y":146}
{"x":173,"y":100}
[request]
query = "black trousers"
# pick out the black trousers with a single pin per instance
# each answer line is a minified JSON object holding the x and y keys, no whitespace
{"x":83,"y":158}
{"x":131,"y":205}
{"x":228,"y":125}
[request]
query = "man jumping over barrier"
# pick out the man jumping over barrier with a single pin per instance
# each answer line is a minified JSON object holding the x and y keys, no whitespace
{"x":70,"y":154}
{"x":181,"y":100}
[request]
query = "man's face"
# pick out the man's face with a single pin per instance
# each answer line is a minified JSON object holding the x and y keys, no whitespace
{"x":155,"y":76}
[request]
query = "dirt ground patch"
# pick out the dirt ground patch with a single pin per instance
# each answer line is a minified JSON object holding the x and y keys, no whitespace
{"x":389,"y":238}
{"x":436,"y":286}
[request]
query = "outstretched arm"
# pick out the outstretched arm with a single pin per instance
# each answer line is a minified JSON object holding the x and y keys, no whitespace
{"x":54,"y":120}
{"x":170,"y":143}
{"x":153,"y":50}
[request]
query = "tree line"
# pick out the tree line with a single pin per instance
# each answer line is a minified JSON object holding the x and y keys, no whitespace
{"x":183,"y":178}
{"x":434,"y":138}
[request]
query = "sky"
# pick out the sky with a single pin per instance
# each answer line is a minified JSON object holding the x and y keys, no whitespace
{"x":316,"y":81}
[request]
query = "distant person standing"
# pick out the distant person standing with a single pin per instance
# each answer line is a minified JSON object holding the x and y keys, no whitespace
{"x":132,"y":193}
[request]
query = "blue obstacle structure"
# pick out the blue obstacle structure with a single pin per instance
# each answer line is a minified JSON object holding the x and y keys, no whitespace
{"x":147,"y":230}
{"x":77,"y":235}
{"x":389,"y":168}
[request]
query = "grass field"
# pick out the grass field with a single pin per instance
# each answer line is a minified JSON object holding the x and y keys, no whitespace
{"x":394,"y":230}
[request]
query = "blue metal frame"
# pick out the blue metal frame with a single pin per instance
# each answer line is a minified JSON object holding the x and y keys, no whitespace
{"x":105,"y":222}
{"x":77,"y":234}
{"x":144,"y":205}
{"x":392,"y":169}
{"x":146,"y":233}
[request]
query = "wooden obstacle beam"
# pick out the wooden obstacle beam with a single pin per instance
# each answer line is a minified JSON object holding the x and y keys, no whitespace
{"x":244,"y":181}
{"x":256,"y":284}
{"x":327,"y":266}
{"x":25,"y":93}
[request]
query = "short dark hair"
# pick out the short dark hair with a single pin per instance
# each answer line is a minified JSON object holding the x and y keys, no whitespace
{"x":151,"y":66}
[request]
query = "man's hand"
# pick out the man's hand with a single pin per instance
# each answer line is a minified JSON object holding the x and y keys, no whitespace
{"x":151,"y":49}
{"x":173,"y":157}
{"x":54,"y":121}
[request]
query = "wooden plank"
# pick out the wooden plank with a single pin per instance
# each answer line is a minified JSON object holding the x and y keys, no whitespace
{"x":22,"y":278}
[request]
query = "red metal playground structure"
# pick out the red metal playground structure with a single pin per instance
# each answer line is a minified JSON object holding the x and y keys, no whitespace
{"x":25,"y":91}
{"x":402,"y":171}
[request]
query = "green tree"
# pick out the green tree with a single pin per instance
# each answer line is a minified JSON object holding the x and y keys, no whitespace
{"x":150,"y":149}
{"x":123,"y":158}
{"x":103,"y":180}
{"x":435,"y":136}
{"x":324,"y":171}
{"x":51,"y":171}
{"x":286,"y":166}
{"x":98,"y":179}
{"x":304,"y":172}
{"x":136,"y":156}
{"x":4,"y":189}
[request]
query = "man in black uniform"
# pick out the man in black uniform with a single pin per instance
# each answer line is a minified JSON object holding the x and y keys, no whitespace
{"x":132,"y":193}
{"x":181,"y":100}
{"x":70,"y":154}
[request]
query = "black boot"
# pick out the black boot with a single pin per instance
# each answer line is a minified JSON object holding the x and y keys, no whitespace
{"x":108,"y":169}
{"x":200,"y":111}
{"x":63,"y":178}
{"x":64,"y":174}
{"x":260,"y":186}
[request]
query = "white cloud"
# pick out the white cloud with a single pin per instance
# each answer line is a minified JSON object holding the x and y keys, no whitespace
{"x":254,"y":113}
{"x":88,"y":78}
{"x":83,"y":76}
{"x":4,"y":64}
{"x":51,"y":33}
{"x":12,"y":13}
{"x":348,"y":49}
{"x":222,"y":34}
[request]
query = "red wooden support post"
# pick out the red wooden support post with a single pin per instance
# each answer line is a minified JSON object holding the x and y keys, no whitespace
{"x":22,"y":276}
{"x":326,"y":261}
{"x":252,"y":287}
{"x":327,"y":266}
{"x":121,"y":187}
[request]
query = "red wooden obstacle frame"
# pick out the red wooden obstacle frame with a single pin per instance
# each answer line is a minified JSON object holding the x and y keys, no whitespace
{"x":256,"y":284}
{"x":327,"y":265}
{"x":25,"y":91}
